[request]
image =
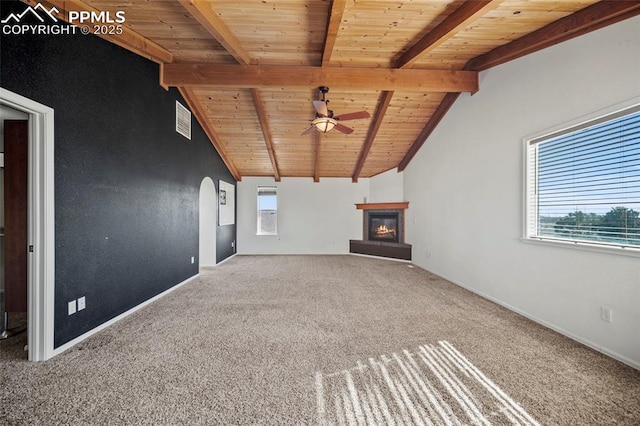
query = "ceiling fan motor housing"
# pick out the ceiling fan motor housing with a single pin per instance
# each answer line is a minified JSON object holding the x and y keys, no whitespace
{"x":325,"y":121}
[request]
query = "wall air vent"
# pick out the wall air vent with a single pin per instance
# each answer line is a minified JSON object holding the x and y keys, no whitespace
{"x":183,"y":120}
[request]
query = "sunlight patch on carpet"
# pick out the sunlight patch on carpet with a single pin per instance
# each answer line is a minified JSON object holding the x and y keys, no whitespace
{"x":433,"y":385}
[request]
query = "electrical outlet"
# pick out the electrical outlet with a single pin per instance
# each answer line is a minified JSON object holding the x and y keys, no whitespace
{"x":606,"y":314}
{"x":193,"y":259}
{"x":82,"y":303}
{"x":72,"y":307}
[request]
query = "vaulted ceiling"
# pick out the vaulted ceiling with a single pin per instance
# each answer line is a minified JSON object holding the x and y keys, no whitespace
{"x":249,"y":70}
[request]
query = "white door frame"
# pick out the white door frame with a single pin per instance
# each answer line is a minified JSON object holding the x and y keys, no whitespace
{"x":40,"y":227}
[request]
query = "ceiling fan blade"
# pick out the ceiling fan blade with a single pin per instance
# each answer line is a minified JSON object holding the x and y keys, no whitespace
{"x":353,"y":116}
{"x":306,"y":132}
{"x":344,"y":129}
{"x":321,"y":108}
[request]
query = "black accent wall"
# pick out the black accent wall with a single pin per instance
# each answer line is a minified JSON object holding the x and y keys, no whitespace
{"x":126,"y":184}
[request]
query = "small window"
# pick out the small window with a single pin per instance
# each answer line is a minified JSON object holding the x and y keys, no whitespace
{"x":267,"y":210}
{"x":583,"y":183}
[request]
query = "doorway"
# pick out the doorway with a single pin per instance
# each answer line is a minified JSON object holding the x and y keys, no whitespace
{"x":40,"y":268}
{"x":14,"y":140}
{"x":208,"y":221}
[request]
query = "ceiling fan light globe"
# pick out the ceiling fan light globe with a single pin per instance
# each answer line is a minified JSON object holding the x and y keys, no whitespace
{"x":324,"y":124}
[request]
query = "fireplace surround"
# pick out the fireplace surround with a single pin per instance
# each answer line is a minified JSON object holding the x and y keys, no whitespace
{"x":382,"y":231}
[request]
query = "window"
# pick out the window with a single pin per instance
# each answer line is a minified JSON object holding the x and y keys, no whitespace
{"x":267,"y":210}
{"x":583,"y":183}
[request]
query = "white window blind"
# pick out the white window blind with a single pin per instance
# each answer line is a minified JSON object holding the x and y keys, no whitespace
{"x":267,"y":210}
{"x":583,"y":184}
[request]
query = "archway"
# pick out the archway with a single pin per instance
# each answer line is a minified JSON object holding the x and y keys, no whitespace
{"x":208,"y":221}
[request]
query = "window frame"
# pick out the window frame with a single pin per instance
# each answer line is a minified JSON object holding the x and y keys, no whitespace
{"x":529,"y":235}
{"x":258,"y":217}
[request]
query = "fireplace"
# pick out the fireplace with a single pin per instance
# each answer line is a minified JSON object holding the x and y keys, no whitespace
{"x":382,"y":231}
{"x":383,"y":227}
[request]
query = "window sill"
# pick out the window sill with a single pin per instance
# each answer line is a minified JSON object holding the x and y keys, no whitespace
{"x":600,"y":248}
{"x":266,"y":235}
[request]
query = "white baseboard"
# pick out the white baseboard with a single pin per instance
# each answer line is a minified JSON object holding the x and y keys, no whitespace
{"x":577,"y":338}
{"x":112,"y":321}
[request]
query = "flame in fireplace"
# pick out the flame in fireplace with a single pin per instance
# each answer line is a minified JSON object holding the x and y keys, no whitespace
{"x":383,"y":232}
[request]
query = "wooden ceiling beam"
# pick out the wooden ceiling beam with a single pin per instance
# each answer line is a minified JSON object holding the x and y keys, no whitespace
{"x":198,"y":111}
{"x":265,"y":76}
{"x":438,"y":114}
{"x":449,"y":27}
{"x":333,"y":27}
{"x":381,"y":109}
{"x":129,"y":39}
{"x":202,"y":11}
{"x":263,"y":119}
{"x":589,"y":19}
{"x":461,"y":18}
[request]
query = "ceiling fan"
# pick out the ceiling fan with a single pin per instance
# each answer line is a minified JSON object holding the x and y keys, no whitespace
{"x":325,"y":121}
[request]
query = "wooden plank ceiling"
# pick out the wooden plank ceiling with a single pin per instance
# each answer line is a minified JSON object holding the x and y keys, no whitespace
{"x":250,"y":69}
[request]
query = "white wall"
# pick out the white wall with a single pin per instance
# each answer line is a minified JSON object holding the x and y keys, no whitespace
{"x":313,"y":218}
{"x":465,"y":189}
{"x":387,"y":187}
{"x":208,"y":221}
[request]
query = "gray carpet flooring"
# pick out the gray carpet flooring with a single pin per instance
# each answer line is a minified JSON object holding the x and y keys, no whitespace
{"x":285,"y":340}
